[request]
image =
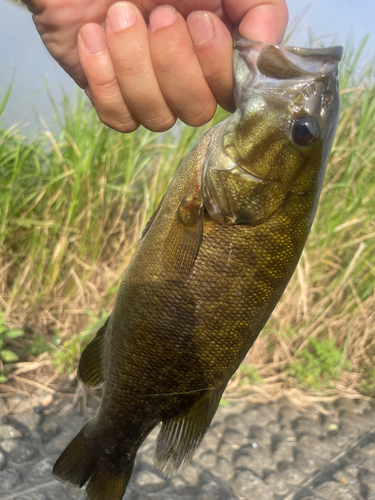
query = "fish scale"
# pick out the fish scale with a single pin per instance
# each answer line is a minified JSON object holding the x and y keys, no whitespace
{"x":209,"y":269}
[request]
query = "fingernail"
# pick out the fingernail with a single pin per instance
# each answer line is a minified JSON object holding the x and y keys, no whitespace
{"x":121,"y":16}
{"x":93,"y":38}
{"x":200,"y":27}
{"x":162,"y":17}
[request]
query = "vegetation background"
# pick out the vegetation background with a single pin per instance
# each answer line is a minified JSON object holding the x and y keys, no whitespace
{"x":73,"y":204}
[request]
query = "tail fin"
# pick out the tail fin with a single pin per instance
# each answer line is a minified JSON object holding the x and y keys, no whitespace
{"x":81,"y":463}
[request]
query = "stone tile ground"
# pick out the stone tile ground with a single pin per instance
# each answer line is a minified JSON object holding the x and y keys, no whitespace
{"x":251,"y":452}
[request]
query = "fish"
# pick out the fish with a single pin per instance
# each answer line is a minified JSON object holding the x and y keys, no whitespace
{"x":210,"y":266}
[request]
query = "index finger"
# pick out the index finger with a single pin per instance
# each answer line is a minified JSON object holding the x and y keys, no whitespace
{"x":259,"y":20}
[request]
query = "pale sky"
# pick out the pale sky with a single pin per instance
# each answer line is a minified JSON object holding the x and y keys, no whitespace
{"x":25,"y":52}
{"x":338,"y":18}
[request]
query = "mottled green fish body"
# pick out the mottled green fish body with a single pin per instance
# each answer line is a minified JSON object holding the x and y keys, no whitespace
{"x":209,"y":269}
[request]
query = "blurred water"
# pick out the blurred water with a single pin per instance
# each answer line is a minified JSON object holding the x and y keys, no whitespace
{"x":25,"y":59}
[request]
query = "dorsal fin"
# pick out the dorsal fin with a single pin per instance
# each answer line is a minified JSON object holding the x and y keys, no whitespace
{"x":151,"y":219}
{"x":90,"y":368}
{"x":180,"y":436}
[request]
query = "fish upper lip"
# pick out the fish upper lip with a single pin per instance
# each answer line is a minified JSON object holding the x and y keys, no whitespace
{"x":334,"y":52}
{"x":274,"y":71}
{"x":287,"y":62}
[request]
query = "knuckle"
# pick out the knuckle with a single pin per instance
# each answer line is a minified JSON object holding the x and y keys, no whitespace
{"x":125,"y":127}
{"x":202,"y":115}
{"x":105,"y":89}
{"x":219,"y":73}
{"x":160,"y":124}
{"x":132,"y":61}
{"x":129,"y":68}
{"x":171,"y":59}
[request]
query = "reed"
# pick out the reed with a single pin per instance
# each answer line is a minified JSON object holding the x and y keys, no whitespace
{"x":72,"y":208}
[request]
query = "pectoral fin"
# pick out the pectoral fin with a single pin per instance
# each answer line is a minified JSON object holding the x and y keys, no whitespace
{"x":179,"y":437}
{"x":185,"y":235}
{"x":90,"y":369}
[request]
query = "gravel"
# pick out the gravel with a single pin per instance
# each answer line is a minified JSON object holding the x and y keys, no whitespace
{"x":251,"y":452}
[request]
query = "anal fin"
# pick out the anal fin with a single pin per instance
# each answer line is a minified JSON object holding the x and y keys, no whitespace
{"x":90,"y":369}
{"x":180,"y":436}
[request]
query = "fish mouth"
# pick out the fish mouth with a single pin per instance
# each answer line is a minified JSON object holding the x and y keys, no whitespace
{"x":281,"y":69}
{"x":284,"y":62}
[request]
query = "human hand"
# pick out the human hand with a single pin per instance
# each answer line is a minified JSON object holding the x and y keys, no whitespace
{"x":179,"y":65}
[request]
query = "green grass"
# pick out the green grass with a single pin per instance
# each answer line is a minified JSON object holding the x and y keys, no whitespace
{"x":73,"y":202}
{"x":7,"y":355}
{"x":72,"y":210}
{"x":73,"y":206}
{"x":249,"y":374}
{"x":319,"y":364}
{"x":328,"y":310}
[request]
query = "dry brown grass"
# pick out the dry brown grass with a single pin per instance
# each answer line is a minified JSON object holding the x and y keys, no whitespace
{"x":52,"y":275}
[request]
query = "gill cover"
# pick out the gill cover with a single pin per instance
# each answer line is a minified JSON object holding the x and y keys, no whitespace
{"x":278,"y":140}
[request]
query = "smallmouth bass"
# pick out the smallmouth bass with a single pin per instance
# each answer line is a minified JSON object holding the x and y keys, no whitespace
{"x":210,"y":267}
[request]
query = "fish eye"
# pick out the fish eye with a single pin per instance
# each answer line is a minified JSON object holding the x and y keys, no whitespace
{"x":305,"y":129}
